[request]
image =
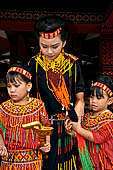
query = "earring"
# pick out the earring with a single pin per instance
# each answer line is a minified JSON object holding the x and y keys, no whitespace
{"x":62,"y":51}
{"x":28,"y":94}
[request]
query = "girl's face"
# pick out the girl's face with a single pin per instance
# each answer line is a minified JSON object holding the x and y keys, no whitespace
{"x":99,"y":104}
{"x":51,"y":48}
{"x":18,"y":91}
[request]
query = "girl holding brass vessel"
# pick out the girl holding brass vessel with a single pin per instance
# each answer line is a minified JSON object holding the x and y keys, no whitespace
{"x":19,"y":147}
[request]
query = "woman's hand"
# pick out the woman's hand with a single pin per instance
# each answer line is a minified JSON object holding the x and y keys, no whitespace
{"x":3,"y":151}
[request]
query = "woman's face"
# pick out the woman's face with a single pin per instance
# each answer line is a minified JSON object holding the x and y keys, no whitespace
{"x":51,"y":48}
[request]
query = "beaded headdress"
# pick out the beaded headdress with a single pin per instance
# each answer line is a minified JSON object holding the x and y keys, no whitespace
{"x":51,"y":35}
{"x":21,"y":71}
{"x":104,"y":87}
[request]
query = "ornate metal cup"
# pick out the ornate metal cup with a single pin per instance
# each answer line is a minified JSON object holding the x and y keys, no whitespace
{"x":42,"y":131}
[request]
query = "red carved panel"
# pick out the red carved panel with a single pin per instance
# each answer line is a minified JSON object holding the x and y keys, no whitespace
{"x":106,"y":54}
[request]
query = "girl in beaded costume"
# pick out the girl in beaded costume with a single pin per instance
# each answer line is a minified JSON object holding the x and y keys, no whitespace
{"x":19,"y":147}
{"x":97,"y":127}
{"x":58,"y":81}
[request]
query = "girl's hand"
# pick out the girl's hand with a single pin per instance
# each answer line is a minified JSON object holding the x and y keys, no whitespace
{"x":3,"y":151}
{"x":75,"y":125}
{"x":46,"y":147}
{"x":71,"y":126}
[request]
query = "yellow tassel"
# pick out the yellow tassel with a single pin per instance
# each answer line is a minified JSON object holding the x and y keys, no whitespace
{"x":36,"y":67}
{"x":58,"y":166}
{"x":69,"y":164}
{"x":64,"y":165}
{"x":74,"y":160}
{"x":61,"y":166}
{"x":75,"y":73}
{"x":70,"y":71}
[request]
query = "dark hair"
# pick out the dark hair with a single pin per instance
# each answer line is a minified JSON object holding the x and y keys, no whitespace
{"x":10,"y":76}
{"x":106,"y":80}
{"x":51,"y":23}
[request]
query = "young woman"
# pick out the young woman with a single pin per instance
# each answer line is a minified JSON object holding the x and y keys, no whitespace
{"x":57,"y":79}
{"x":18,"y":146}
{"x":97,"y":126}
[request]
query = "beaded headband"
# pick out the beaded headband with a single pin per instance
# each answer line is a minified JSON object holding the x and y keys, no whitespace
{"x":21,"y":71}
{"x":51,"y":35}
{"x":104,"y":87}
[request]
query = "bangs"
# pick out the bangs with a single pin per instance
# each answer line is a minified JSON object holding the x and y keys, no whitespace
{"x":98,"y":91}
{"x":13,"y":76}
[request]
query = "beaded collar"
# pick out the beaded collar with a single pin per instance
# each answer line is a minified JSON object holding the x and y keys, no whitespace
{"x":58,"y":65}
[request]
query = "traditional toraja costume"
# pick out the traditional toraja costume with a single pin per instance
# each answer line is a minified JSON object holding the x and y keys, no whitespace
{"x":57,"y":81}
{"x":21,"y":144}
{"x":97,"y":155}
{"x":101,"y":150}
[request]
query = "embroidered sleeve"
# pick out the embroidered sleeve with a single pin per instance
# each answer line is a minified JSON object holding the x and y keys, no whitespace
{"x":104,"y":133}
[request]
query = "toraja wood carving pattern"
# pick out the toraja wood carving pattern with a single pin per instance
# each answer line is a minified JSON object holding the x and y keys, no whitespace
{"x":106,"y":49}
{"x":71,"y":17}
{"x":107,"y":30}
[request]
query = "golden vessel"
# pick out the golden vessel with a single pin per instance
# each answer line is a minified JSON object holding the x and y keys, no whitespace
{"x":42,"y":131}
